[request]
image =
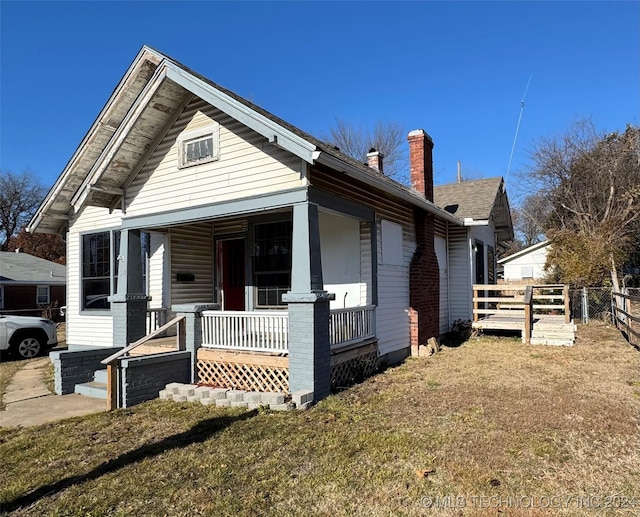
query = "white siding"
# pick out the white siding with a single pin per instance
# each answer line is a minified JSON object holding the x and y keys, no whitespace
{"x":535,"y":260}
{"x":392,"y":318}
{"x":459,"y":274}
{"x":248,"y":165}
{"x":86,"y":329}
{"x":441,"y":252}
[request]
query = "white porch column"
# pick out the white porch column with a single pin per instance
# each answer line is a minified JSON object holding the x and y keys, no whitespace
{"x":309,"y":350}
{"x":129,"y":304}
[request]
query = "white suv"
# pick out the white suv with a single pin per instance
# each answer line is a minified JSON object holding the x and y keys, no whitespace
{"x":26,"y":336}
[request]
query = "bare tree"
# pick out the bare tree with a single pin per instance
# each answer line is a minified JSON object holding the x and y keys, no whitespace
{"x":592,"y":186}
{"x":20,"y":196}
{"x":530,"y":219}
{"x":389,"y":138}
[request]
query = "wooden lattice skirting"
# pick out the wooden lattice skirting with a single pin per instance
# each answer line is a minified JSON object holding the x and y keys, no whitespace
{"x":353,"y":366}
{"x":243,"y":371}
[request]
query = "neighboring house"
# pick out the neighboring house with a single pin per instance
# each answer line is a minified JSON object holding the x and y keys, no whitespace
{"x":28,"y":284}
{"x":187,"y":199}
{"x":483,"y":207}
{"x":526,"y":265}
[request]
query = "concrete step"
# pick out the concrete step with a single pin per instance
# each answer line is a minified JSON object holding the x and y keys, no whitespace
{"x":97,"y":390}
{"x":100,"y":376}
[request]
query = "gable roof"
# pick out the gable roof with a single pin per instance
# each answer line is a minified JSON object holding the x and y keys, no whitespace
{"x":142,"y":109}
{"x":25,"y":269}
{"x":478,"y":200}
{"x":525,"y":251}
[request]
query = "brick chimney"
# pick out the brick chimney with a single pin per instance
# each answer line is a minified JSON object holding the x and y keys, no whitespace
{"x":374,"y":159}
{"x":421,"y":162}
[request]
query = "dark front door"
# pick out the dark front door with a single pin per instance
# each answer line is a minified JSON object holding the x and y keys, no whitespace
{"x":232,"y":265}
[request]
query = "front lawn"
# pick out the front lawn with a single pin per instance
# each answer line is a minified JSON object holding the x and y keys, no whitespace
{"x":490,"y":423}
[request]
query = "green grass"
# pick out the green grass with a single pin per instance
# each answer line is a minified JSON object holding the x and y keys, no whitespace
{"x":484,"y":418}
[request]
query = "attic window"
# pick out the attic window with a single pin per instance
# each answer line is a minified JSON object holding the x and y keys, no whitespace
{"x":200,"y":146}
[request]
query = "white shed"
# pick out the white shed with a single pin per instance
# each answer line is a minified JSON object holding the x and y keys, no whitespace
{"x":527,"y":264}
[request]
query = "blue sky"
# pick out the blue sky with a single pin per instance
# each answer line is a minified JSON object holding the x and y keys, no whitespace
{"x":456,"y":69}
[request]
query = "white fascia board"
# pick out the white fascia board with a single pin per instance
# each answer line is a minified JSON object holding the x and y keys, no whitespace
{"x":118,"y":138}
{"x":97,"y":125}
{"x":275,"y":133}
{"x":520,"y":253}
{"x":468,"y":221}
{"x":414,"y":199}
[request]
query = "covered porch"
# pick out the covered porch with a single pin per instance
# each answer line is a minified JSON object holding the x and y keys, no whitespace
{"x":291,"y":297}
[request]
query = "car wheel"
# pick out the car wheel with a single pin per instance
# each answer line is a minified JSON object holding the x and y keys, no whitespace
{"x":28,"y":347}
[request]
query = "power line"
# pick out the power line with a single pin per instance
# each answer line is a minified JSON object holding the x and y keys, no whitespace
{"x":515,"y":137}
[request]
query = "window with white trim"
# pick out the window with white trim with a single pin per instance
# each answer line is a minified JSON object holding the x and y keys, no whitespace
{"x":199,"y":146}
{"x":42,"y":295}
{"x":100,"y":267}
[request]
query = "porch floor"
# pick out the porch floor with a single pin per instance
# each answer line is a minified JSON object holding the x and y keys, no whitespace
{"x":157,"y":345}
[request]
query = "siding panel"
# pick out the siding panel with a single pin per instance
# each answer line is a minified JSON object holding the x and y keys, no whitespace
{"x":248,"y":165}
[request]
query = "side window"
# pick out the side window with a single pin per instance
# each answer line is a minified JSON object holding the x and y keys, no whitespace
{"x":42,"y":295}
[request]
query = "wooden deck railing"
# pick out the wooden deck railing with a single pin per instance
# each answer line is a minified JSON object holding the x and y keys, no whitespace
{"x":626,"y":315}
{"x":509,"y":301}
{"x":514,"y":307}
{"x":353,"y":325}
{"x":112,"y":361}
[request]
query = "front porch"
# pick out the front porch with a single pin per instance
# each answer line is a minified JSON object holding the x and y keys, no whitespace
{"x":239,"y":351}
{"x":250,"y":350}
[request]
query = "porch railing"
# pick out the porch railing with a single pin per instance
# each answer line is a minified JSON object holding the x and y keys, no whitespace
{"x":268,"y":331}
{"x":352,"y":325}
{"x":155,"y":319}
{"x":256,"y":331}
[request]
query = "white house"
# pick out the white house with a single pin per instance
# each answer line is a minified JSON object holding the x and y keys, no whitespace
{"x":290,"y":263}
{"x":527,"y":264}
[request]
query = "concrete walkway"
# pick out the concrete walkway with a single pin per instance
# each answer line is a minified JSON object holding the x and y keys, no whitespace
{"x":28,"y":401}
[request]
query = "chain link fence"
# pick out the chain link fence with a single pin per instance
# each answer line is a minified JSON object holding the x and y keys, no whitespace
{"x":591,"y":303}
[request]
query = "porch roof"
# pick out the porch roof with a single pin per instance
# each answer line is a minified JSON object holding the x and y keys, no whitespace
{"x":141,"y":110}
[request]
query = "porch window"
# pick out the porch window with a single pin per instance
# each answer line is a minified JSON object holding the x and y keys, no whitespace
{"x":197,"y":147}
{"x":42,"y":295}
{"x":100,"y":267}
{"x":272,"y":263}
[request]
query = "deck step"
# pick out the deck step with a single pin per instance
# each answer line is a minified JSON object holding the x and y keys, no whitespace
{"x":97,"y":390}
{"x":551,"y":341}
{"x":553,"y":333}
